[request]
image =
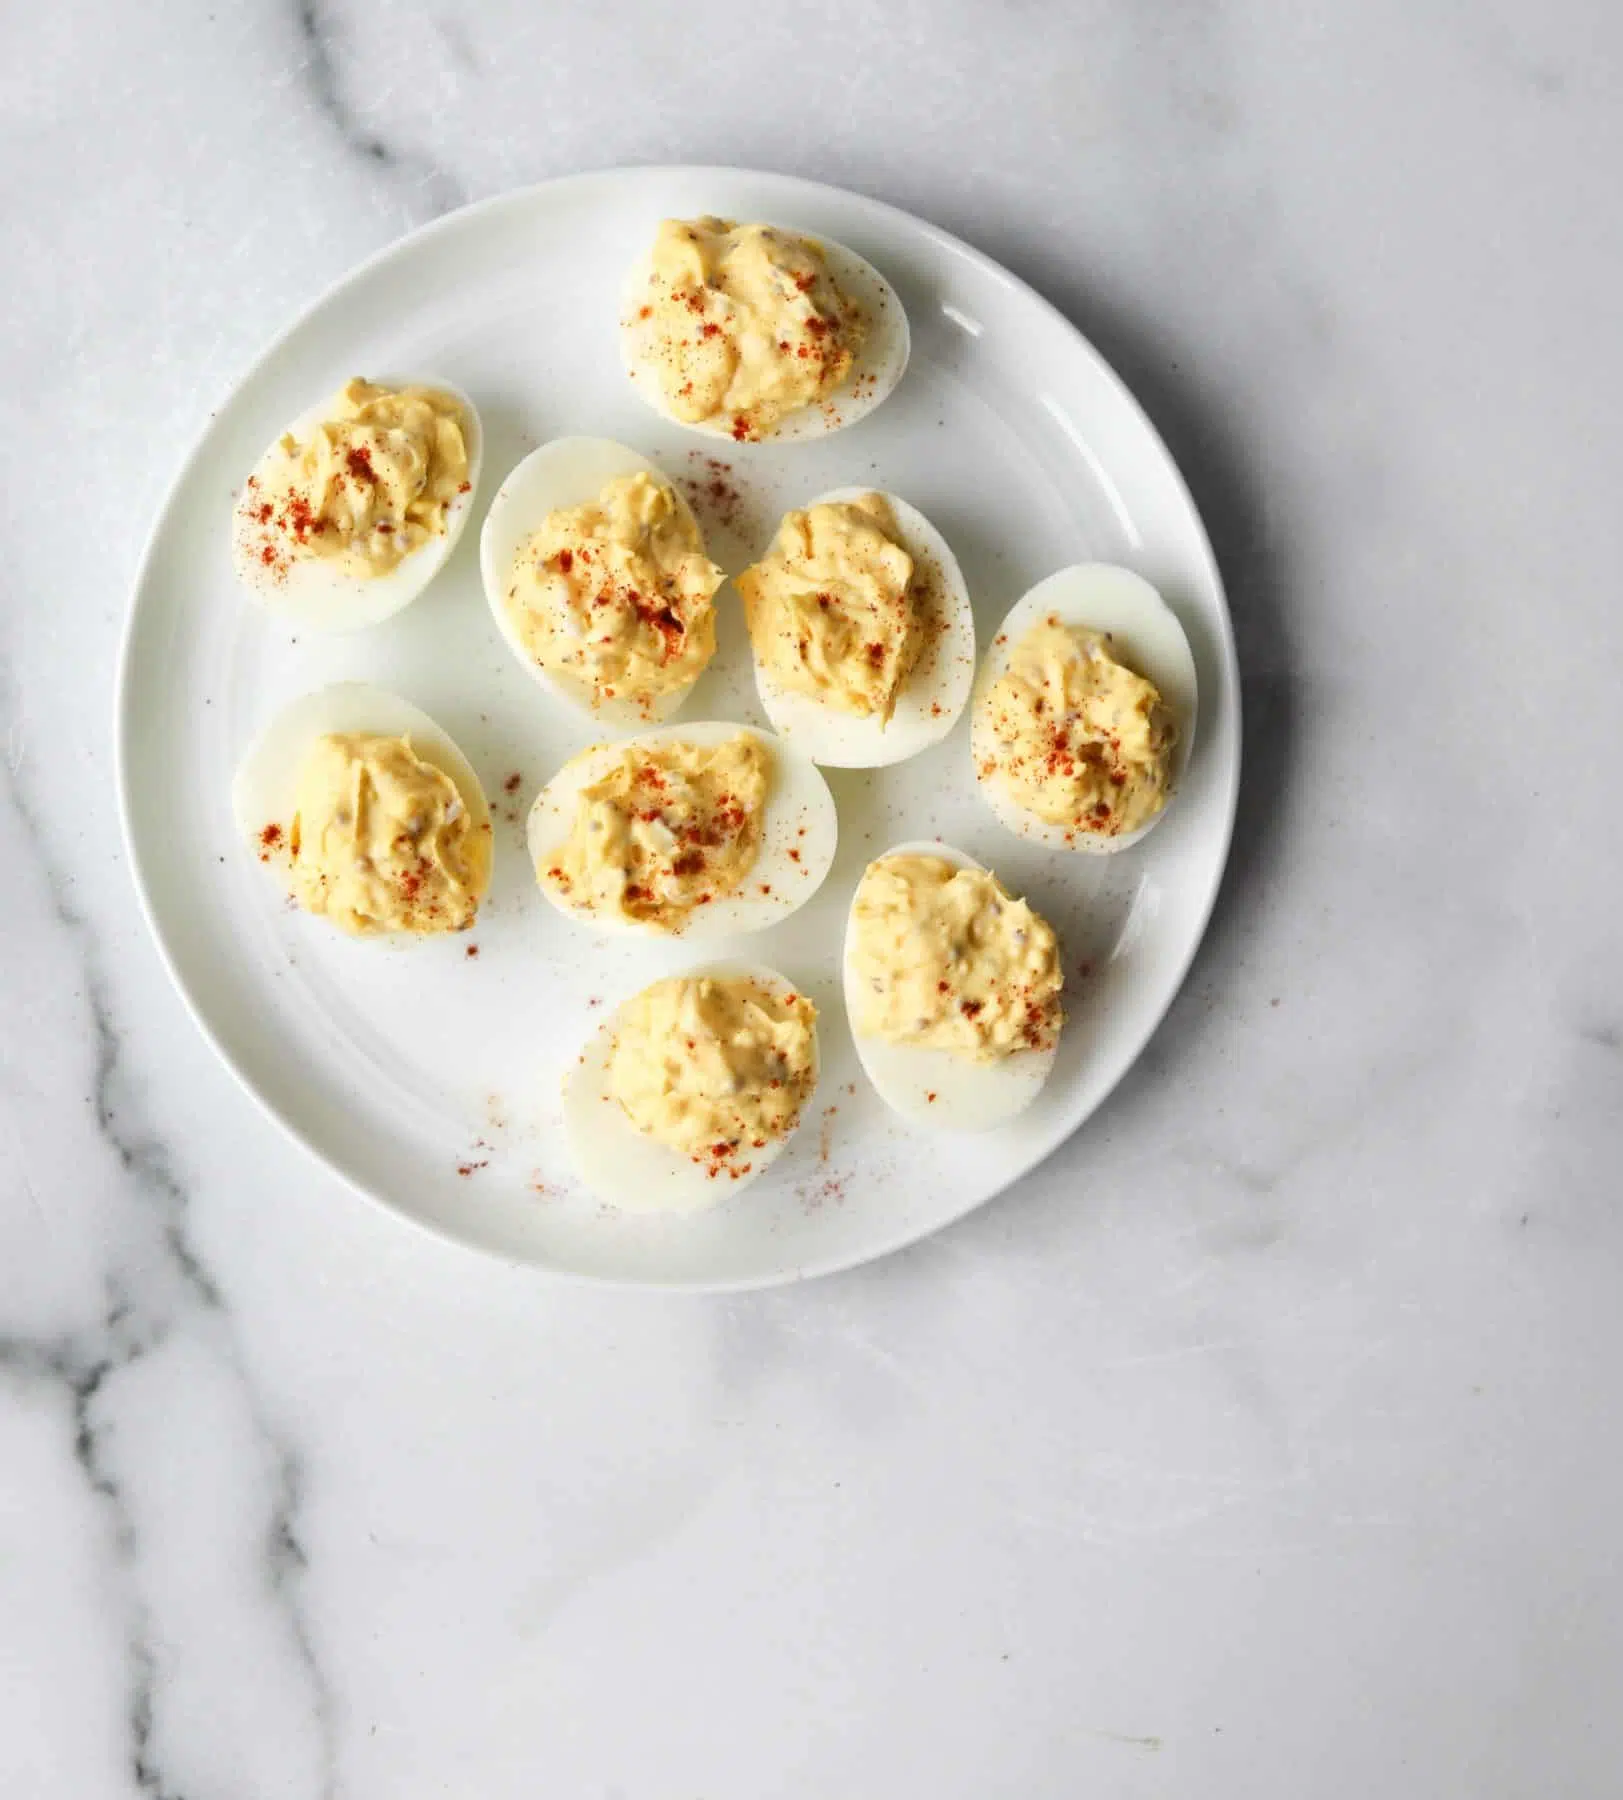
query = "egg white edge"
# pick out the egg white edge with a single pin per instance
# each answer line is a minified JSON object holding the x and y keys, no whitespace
{"x":1123,"y":619}
{"x":515,"y":515}
{"x":911,"y":729}
{"x":884,"y":356}
{"x":657,"y":1168}
{"x":303,"y":596}
{"x":797,"y":787}
{"x":957,"y":1082}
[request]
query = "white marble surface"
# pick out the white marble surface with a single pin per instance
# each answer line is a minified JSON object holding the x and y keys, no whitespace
{"x":1264,"y":1443}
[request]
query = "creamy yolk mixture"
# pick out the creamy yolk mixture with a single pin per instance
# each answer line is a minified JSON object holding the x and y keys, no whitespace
{"x":617,"y":594}
{"x":741,"y":324}
{"x":714,"y":1066}
{"x":383,"y":841}
{"x":668,"y":828}
{"x":372,"y":483}
{"x":831,"y":607}
{"x":1078,"y":739}
{"x":944,"y":959}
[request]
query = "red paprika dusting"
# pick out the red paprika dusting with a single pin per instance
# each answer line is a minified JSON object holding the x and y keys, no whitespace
{"x":302,"y":519}
{"x":712,"y":490}
{"x":513,"y":782}
{"x":664,"y":619}
{"x":358,"y":461}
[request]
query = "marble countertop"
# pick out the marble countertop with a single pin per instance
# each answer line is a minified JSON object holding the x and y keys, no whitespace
{"x":1261,"y":1444}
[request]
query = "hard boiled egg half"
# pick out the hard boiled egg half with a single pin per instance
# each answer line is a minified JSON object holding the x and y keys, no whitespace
{"x":799,"y":832}
{"x":933,"y":1087}
{"x":567,"y":472}
{"x":313,"y":591}
{"x":937,"y":686}
{"x":637,"y":1173}
{"x":263,"y":794}
{"x":877,"y":366}
{"x":1144,"y":635}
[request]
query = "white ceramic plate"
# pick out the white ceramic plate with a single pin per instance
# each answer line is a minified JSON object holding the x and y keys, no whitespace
{"x":429,"y":1079}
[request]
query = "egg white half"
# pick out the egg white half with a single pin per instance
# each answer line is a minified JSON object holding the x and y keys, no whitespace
{"x":312,"y":593}
{"x":566,"y":472}
{"x":1145,"y":637}
{"x":937,"y":686}
{"x":263,"y":793}
{"x":932,"y":1087}
{"x":623,"y":1168}
{"x":799,"y":832}
{"x":875,"y":370}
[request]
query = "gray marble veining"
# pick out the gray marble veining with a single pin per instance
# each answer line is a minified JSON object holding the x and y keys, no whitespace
{"x":155,"y":1288}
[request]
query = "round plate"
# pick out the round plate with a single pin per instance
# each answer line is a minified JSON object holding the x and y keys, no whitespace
{"x":428,"y":1077}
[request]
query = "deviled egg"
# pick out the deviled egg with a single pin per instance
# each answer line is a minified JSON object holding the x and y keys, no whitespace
{"x":952,"y":987}
{"x":354,"y":509}
{"x":1084,"y":711}
{"x":861,"y":629}
{"x":595,"y":571}
{"x":691,"y":1089}
{"x":754,"y":331}
{"x":700,"y":830}
{"x":367,"y":814}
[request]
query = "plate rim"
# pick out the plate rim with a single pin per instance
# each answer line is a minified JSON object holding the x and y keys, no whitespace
{"x":1227,"y":778}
